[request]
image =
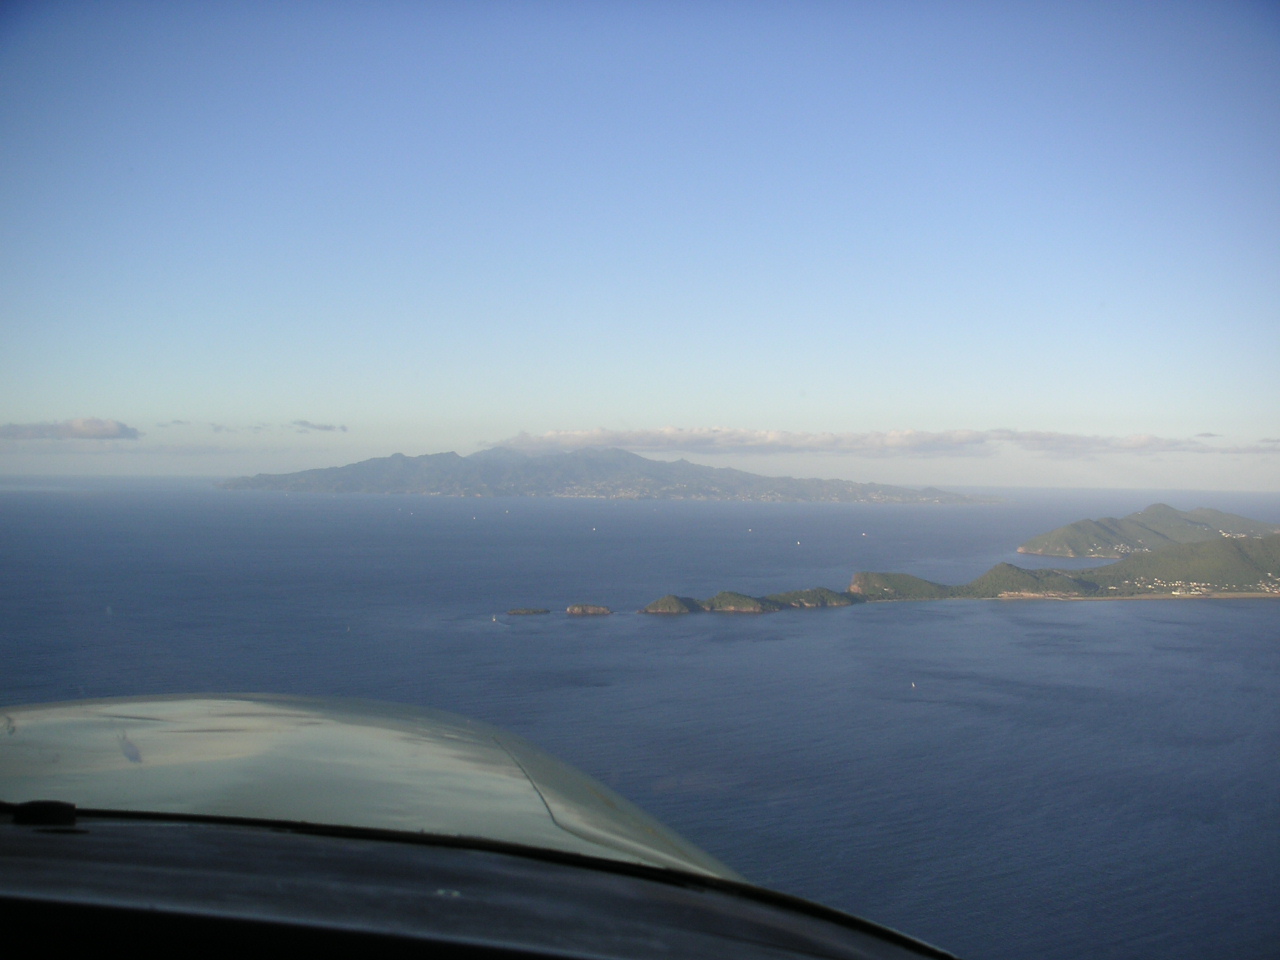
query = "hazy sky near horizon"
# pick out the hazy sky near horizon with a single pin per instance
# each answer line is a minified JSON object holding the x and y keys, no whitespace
{"x":970,"y":243}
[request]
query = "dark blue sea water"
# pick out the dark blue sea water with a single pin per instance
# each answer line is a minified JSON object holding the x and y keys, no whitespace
{"x":1006,"y":779}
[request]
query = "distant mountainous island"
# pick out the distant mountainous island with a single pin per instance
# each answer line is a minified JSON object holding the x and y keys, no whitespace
{"x":1151,"y":529}
{"x":609,"y":474}
{"x":1227,"y":564}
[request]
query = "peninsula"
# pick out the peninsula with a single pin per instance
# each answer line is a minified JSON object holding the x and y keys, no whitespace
{"x":1226,"y":567}
{"x":602,"y":474}
{"x":1151,"y":529}
{"x":1223,"y":567}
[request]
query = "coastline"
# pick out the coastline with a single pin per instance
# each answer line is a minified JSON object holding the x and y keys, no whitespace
{"x":1043,"y":596}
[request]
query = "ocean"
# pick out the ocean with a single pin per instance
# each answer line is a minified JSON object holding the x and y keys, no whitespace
{"x":1003,"y":778}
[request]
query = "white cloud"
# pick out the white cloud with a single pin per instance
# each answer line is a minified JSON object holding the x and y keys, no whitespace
{"x":306,"y":426}
{"x":85,"y":428}
{"x":891,"y":443}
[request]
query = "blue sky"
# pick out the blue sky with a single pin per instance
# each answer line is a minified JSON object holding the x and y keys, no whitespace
{"x":965,"y":243}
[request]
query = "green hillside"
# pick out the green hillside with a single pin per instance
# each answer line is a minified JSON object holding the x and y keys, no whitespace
{"x":897,"y":586}
{"x":673,"y":604}
{"x":1158,"y":526}
{"x":1235,"y":565}
{"x":1006,"y":580}
{"x":817,"y":597}
{"x":728,"y":601}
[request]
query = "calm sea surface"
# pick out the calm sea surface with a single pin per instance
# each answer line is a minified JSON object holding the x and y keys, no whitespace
{"x":1006,"y":779}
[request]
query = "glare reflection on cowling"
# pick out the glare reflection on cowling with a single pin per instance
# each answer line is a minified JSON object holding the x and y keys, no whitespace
{"x":343,"y":763}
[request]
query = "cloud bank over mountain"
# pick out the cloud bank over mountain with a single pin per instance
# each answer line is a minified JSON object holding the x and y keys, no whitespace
{"x":891,"y":443}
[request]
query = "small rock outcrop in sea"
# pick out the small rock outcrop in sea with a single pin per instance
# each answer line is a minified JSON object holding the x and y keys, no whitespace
{"x":587,"y":610}
{"x":526,"y":611}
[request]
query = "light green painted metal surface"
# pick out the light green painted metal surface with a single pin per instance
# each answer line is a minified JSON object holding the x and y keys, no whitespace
{"x":348,"y":763}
